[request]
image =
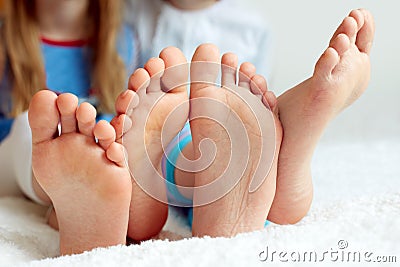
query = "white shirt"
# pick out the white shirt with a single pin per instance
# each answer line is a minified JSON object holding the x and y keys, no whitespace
{"x":225,"y":24}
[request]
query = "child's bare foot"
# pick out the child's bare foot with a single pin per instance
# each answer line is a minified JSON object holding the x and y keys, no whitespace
{"x":88,"y":182}
{"x":154,"y":92}
{"x":238,"y":191}
{"x":341,"y":75}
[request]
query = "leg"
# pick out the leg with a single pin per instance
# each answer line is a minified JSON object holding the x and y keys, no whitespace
{"x":341,"y":75}
{"x":154,"y":93}
{"x":88,"y":183}
{"x":249,"y":128}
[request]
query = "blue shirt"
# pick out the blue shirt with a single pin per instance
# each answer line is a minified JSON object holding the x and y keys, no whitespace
{"x":68,"y":69}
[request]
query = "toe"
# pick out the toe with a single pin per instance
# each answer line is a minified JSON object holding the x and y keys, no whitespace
{"x":43,"y":116}
{"x":126,"y":102}
{"x":139,"y":81}
{"x":358,"y":16}
{"x":104,"y":133}
{"x":229,"y":66}
{"x":365,"y":35}
{"x":341,"y":44}
{"x":348,"y":27}
{"x":86,"y":117}
{"x":246,"y":72}
{"x":116,"y":153}
{"x":270,"y":101}
{"x":155,"y":68}
{"x":175,"y":77}
{"x":326,"y":63}
{"x":67,"y":105}
{"x":122,"y":124}
{"x":258,"y":85}
{"x":204,"y":68}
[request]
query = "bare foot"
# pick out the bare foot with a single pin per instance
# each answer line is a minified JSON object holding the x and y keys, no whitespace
{"x":154,"y":92}
{"x":341,"y":75}
{"x":87,"y":182}
{"x":234,"y":193}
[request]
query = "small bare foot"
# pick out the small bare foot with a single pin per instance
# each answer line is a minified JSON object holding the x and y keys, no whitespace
{"x":87,"y":182}
{"x":341,"y":75}
{"x":156,"y":93}
{"x":234,"y":192}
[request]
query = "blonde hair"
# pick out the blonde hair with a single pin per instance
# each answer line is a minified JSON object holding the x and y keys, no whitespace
{"x":21,"y":50}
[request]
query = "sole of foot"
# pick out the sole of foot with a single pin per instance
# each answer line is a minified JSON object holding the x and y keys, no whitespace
{"x":87,"y":181}
{"x":156,"y":93}
{"x":234,"y":192}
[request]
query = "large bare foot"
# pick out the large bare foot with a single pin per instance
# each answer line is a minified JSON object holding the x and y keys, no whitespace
{"x":87,"y":182}
{"x":341,"y":75}
{"x":156,"y":93}
{"x":234,"y":192}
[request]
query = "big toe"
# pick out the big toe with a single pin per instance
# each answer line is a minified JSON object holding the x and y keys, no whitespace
{"x":204,"y":68}
{"x":43,"y":116}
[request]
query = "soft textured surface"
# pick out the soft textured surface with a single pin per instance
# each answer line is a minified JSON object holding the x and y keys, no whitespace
{"x":357,"y":199}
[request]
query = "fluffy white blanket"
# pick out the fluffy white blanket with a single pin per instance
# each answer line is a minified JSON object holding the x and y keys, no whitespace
{"x":356,"y":213}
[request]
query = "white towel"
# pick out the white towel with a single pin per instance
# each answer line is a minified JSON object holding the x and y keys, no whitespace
{"x":357,"y":200}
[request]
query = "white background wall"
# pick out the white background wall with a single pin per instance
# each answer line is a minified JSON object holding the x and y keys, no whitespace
{"x":302,"y":30}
